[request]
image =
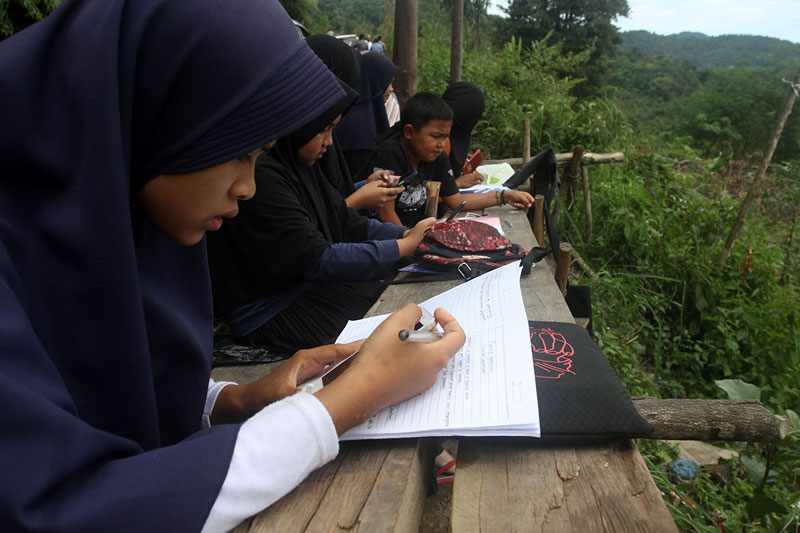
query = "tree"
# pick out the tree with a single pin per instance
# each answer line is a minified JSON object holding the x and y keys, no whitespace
{"x":18,"y":14}
{"x":578,"y":24}
{"x":406,"y":30}
{"x":299,"y":10}
{"x":457,"y":41}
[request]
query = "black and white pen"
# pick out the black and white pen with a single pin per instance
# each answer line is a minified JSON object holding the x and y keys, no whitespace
{"x":419,"y":336}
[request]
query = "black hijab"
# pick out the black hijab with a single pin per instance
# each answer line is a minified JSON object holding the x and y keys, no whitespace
{"x":105,"y":324}
{"x":367,"y":119}
{"x":343,"y":61}
{"x":467,"y":102}
{"x":293,"y":217}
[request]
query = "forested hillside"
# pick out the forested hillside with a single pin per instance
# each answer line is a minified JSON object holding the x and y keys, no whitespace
{"x":667,"y":93}
{"x":721,"y":51}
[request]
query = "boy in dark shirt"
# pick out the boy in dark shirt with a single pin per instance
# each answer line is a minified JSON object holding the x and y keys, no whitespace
{"x":425,"y":122}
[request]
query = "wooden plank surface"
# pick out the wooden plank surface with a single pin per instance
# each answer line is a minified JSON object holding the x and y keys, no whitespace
{"x":520,"y":485}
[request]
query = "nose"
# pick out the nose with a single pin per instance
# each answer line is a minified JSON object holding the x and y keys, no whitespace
{"x":328,"y":139}
{"x":245,"y":185}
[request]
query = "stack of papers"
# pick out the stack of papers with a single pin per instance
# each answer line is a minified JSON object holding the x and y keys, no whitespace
{"x":493,"y":178}
{"x":488,"y":387}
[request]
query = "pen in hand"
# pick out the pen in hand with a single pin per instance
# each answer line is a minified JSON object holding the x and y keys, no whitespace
{"x":419,"y":336}
{"x":456,"y":211}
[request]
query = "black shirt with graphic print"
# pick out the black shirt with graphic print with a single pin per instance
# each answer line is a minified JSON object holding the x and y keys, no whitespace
{"x":410,"y":205}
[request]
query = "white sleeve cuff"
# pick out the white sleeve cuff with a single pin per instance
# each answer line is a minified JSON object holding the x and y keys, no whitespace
{"x":275,"y":450}
{"x":214,"y":388}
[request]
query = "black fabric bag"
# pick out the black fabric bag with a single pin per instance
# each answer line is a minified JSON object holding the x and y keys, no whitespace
{"x":581,"y":399}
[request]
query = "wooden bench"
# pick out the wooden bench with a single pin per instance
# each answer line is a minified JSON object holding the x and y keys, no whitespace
{"x":500,"y":484}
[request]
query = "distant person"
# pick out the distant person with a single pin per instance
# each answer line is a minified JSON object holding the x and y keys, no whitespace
{"x":467,"y":102}
{"x":378,"y":45}
{"x":361,"y":44}
{"x":367,"y":119}
{"x":425,"y":122}
{"x":297,"y":264}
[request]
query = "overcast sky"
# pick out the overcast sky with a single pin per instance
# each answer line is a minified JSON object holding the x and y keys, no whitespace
{"x":773,"y":18}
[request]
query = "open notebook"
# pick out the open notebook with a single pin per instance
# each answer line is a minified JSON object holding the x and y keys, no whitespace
{"x":488,"y":387}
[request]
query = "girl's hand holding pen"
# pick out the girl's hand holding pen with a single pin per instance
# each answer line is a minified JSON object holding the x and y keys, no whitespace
{"x":388,"y":370}
{"x":237,"y":403}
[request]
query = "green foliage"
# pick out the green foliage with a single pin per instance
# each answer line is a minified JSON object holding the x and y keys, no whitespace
{"x":17,"y":14}
{"x":374,"y":17}
{"x":673,"y":325}
{"x":522,"y":82}
{"x":580,"y":25}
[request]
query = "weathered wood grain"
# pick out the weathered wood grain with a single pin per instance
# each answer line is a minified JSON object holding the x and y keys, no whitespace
{"x":711,"y":420}
{"x":516,"y":485}
{"x":588,"y":158}
{"x":398,"y":496}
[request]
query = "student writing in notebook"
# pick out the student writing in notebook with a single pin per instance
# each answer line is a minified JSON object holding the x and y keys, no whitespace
{"x":138,"y":137}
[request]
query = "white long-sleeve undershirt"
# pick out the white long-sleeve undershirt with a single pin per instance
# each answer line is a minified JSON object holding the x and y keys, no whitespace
{"x":275,"y":450}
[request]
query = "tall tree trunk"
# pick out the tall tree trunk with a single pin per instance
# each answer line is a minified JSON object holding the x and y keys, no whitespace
{"x":478,"y":42}
{"x":405,"y":48}
{"x":755,"y":188}
{"x":457,"y":41}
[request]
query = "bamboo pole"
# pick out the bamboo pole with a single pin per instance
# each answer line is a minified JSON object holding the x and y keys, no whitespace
{"x":581,"y":263}
{"x":587,"y":198}
{"x":562,"y":268}
{"x":589,"y":158}
{"x":754,"y":191}
{"x":538,"y":219}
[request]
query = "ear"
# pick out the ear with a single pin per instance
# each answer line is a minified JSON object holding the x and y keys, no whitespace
{"x":408,"y":131}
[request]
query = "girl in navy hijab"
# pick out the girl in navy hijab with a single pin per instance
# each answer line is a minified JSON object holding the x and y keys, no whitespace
{"x":131,"y":128}
{"x":367,"y":119}
{"x":372,"y":192}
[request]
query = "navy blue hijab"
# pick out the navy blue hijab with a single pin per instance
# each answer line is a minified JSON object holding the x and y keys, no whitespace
{"x":106,"y":325}
{"x":344,"y":62}
{"x":367,"y":118}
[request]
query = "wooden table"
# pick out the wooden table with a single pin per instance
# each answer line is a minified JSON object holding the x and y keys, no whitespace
{"x":500,"y":484}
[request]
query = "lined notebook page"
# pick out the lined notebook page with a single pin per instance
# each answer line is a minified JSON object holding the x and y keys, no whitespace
{"x":488,"y":387}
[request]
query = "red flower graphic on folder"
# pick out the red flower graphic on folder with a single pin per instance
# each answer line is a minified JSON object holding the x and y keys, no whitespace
{"x":552,"y":354}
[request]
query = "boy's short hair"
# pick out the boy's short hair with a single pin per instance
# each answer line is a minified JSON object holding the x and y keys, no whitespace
{"x":424,"y":107}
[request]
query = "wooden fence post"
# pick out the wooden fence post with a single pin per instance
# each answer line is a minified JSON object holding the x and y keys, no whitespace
{"x":574,"y":172}
{"x":562,"y":268}
{"x":587,"y":201}
{"x":538,"y":219}
{"x":526,"y":142}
